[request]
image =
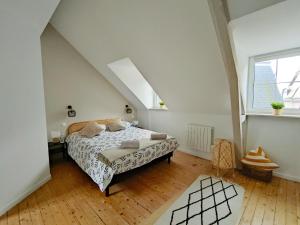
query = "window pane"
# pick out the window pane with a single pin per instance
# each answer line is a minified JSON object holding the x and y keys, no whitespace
{"x":265,"y":72}
{"x":265,"y":88}
{"x":288,"y":68}
{"x":264,"y":94}
{"x":277,"y":80}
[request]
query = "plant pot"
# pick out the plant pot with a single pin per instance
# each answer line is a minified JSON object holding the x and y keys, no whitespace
{"x":277,"y":112}
{"x":161,"y":106}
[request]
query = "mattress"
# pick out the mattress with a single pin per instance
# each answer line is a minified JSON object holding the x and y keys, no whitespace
{"x":91,"y":154}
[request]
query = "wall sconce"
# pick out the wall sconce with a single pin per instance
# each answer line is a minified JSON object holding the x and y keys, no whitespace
{"x":128,"y":110}
{"x":129,"y":113}
{"x":71,"y":111}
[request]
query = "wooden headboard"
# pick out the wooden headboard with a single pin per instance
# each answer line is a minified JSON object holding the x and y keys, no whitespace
{"x":74,"y":127}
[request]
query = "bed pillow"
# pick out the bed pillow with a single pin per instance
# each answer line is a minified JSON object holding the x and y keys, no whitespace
{"x":92,"y":129}
{"x":126,"y":124}
{"x":116,"y":126}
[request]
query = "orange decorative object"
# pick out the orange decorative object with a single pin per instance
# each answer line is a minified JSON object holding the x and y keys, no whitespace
{"x":259,"y":160}
{"x":223,"y":155}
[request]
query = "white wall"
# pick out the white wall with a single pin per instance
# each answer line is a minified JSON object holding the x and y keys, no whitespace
{"x":173,"y":44}
{"x":280,"y":138}
{"x":24,"y":163}
{"x":268,"y":30}
{"x":70,"y":80}
{"x":175,"y":124}
{"x":239,"y":8}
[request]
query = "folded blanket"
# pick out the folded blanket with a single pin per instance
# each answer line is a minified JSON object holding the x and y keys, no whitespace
{"x":157,"y":136}
{"x":130,"y":144}
{"x":116,"y":153}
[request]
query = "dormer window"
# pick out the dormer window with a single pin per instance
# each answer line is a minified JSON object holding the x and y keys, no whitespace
{"x":275,"y":78}
{"x":128,"y":73}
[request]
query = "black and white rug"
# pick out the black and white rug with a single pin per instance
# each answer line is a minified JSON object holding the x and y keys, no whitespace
{"x":208,"y":200}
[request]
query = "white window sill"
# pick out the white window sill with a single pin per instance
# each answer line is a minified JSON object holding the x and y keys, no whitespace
{"x":271,"y":115}
{"x":159,"y":109}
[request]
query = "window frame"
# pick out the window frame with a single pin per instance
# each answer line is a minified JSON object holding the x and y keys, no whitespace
{"x":251,"y":75}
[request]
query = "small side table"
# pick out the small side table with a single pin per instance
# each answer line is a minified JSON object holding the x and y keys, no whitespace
{"x":55,"y":148}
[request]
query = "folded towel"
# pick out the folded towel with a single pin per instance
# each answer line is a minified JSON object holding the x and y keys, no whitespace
{"x":157,"y":136}
{"x":130,"y":144}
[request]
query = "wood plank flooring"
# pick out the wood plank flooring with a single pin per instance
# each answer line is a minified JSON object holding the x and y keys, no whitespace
{"x":71,"y":197}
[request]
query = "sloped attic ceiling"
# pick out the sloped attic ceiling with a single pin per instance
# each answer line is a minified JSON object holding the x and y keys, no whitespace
{"x":277,"y":31}
{"x":239,"y":8}
{"x":35,"y":14}
{"x":172,"y":42}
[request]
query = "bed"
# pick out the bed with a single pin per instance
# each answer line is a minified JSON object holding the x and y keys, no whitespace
{"x":103,"y":160}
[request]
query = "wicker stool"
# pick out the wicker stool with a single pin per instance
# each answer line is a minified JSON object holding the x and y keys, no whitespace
{"x":223,"y":155}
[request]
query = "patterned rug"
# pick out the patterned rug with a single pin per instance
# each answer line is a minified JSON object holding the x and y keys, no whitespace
{"x":208,"y":200}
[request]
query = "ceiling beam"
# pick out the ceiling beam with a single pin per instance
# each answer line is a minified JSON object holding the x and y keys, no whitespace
{"x":218,"y":13}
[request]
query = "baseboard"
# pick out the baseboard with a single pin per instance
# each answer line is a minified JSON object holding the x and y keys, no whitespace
{"x":22,"y":196}
{"x":287,"y":177}
{"x":203,"y":155}
{"x":208,"y":156}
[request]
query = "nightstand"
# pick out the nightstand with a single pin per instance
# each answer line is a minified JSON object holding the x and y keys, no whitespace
{"x":55,"y":148}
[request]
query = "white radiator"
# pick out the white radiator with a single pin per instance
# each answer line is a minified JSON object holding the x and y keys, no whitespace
{"x":199,"y":137}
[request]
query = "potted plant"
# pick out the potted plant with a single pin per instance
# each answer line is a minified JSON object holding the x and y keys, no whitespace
{"x":277,"y":108}
{"x":162,"y":104}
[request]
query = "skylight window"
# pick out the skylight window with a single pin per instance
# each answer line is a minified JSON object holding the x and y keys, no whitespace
{"x":128,"y":73}
{"x":275,"y":78}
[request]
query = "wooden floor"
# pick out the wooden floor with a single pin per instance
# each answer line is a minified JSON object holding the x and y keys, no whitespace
{"x":72,"y":198}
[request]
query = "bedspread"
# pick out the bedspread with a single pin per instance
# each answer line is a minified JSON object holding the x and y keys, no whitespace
{"x":88,"y":153}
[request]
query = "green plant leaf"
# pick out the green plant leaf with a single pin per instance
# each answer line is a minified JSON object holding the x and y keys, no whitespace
{"x":277,"y":105}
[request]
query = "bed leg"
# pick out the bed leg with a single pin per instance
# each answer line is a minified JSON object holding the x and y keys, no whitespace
{"x":169,"y":159}
{"x":107,"y":192}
